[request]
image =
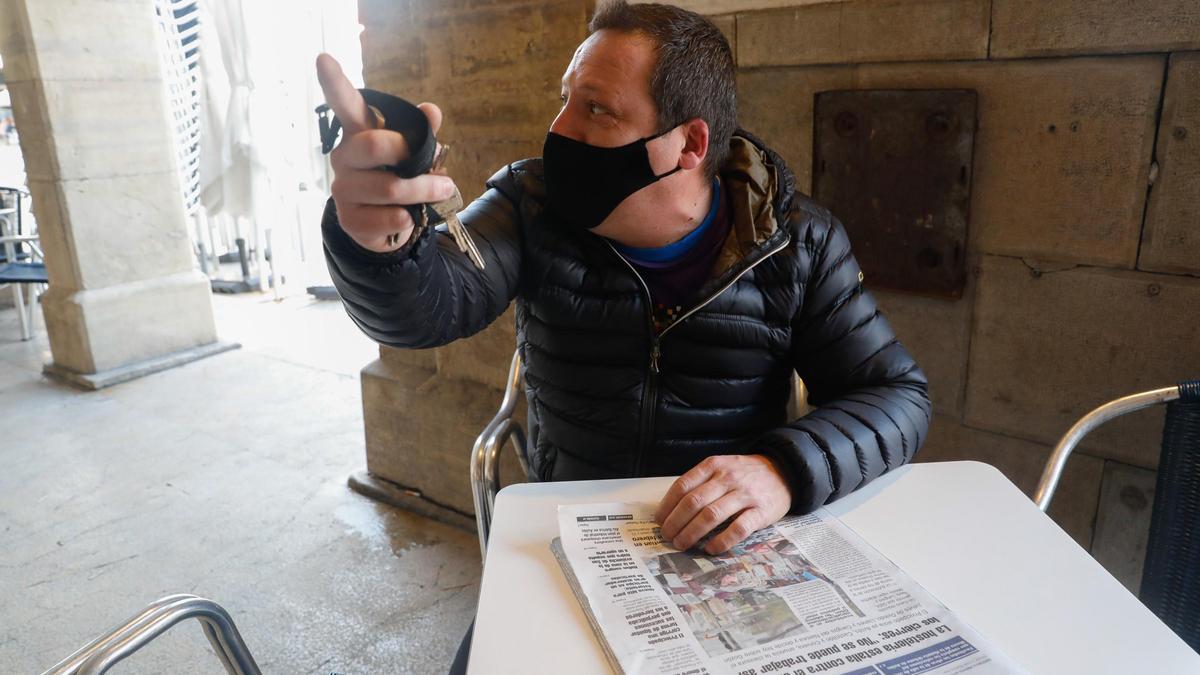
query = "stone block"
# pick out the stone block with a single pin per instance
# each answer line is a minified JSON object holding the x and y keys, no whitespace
{"x":1038,"y":28}
{"x":420,"y":358}
{"x":517,"y":106}
{"x":449,"y":45}
{"x":1123,"y":522}
{"x":472,"y":162}
{"x":420,"y":428}
{"x":1171,"y":238}
{"x":104,"y":329}
{"x":861,"y":32}
{"x":1062,"y":152}
{"x":722,"y":6}
{"x":937,"y":333}
{"x":498,"y":90}
{"x":483,"y":358}
{"x":396,"y":50}
{"x":1074,"y":504}
{"x":38,"y":43}
{"x":388,"y":13}
{"x":1049,"y":346}
{"x":93,"y":129}
{"x":533,"y":36}
{"x":117,"y":229}
{"x":488,"y":121}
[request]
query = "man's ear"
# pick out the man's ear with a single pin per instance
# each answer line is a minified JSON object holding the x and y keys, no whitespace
{"x":695,"y":146}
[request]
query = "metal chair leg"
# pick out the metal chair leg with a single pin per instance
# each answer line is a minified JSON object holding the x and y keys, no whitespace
{"x":22,"y":316}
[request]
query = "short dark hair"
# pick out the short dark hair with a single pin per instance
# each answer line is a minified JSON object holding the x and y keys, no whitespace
{"x":693,"y":75}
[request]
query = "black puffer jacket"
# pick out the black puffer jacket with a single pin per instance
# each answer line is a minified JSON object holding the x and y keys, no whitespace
{"x":607,"y":398}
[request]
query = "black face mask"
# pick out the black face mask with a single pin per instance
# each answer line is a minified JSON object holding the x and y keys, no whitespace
{"x":585,"y":183}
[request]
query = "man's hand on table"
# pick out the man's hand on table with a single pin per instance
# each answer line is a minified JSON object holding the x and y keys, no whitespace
{"x":747,"y":488}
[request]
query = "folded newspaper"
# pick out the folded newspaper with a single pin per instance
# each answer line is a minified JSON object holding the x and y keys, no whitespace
{"x":805,"y":595}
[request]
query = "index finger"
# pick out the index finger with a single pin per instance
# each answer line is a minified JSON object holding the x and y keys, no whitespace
{"x":682,"y":485}
{"x":343,"y":97}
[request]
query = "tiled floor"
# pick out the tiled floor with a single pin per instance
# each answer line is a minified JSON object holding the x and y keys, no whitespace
{"x":225,"y":478}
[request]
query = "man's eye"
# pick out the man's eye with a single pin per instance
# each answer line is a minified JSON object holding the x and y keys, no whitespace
{"x":595,"y":109}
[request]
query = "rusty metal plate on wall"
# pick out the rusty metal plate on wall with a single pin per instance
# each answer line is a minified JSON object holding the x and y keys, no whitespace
{"x":895,"y":168}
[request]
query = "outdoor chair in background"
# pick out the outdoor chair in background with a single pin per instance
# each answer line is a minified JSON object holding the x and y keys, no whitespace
{"x":1170,"y":582}
{"x":13,"y":204}
{"x":22,"y":267}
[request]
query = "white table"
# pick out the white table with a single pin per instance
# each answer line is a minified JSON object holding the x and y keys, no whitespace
{"x":961,"y":529}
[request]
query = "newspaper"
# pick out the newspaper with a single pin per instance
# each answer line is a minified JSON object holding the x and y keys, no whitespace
{"x":805,"y":595}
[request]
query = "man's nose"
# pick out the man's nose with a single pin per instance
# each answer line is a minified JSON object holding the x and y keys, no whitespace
{"x":566,"y":124}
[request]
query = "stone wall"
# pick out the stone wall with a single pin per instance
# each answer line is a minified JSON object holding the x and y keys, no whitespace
{"x":1083,"y":237}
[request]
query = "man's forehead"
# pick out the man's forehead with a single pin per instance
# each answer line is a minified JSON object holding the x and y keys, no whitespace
{"x":612,"y":61}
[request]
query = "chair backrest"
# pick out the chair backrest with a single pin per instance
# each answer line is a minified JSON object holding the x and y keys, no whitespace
{"x":1171,"y":576}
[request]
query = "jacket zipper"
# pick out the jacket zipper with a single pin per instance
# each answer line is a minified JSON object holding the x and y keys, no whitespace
{"x":650,"y":389}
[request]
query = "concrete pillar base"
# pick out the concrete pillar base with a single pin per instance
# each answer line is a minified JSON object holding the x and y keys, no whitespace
{"x":383,"y":490}
{"x":107,"y":378}
{"x":420,"y":427}
{"x":116,"y":327}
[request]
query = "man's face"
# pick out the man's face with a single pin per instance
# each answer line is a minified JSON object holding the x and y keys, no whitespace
{"x":606,"y":91}
{"x":607,"y":103}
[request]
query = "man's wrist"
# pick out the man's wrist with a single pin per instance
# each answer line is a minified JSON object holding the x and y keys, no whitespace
{"x":780,"y":468}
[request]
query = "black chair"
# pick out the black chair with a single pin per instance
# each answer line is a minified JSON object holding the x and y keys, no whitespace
{"x":1171,"y":575}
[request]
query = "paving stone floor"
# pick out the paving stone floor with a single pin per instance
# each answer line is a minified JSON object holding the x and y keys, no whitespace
{"x":225,"y":478}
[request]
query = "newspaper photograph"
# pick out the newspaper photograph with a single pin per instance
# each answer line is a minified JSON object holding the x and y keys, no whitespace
{"x":805,"y":595}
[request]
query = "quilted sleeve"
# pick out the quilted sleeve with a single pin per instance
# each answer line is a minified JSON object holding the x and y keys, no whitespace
{"x":872,"y":404}
{"x":428,"y":293}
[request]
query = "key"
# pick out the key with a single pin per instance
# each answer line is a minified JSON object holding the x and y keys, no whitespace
{"x":448,"y":209}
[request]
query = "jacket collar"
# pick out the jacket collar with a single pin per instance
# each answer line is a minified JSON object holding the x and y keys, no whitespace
{"x":760,"y":187}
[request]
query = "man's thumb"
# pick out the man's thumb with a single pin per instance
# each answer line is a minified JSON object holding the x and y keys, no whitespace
{"x":340,"y":94}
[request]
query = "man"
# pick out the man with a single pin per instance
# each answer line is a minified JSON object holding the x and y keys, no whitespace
{"x":668,"y":279}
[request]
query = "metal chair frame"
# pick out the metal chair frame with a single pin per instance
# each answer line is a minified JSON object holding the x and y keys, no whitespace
{"x":1062,"y":452}
{"x":485,"y":455}
{"x":101,"y":654}
{"x":19,"y":195}
{"x":29,"y":276}
{"x":1168,"y":585}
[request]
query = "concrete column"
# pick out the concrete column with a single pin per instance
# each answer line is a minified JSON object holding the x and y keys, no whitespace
{"x":89,"y":100}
